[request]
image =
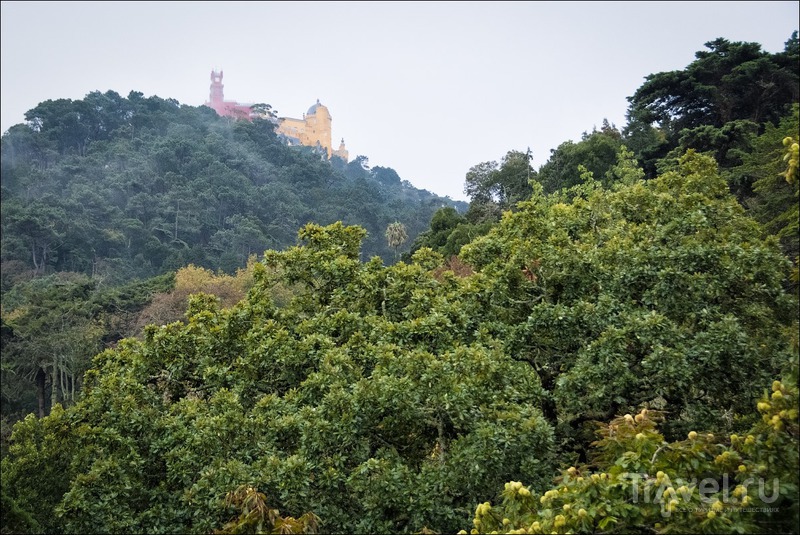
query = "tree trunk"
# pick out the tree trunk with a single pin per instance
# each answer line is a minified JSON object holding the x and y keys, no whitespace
{"x":35,"y":263}
{"x":62,"y":376}
{"x":54,"y":384}
{"x":549,"y":409}
{"x":40,"y":380}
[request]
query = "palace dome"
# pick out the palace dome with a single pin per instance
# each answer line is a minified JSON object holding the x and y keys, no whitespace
{"x":313,"y":109}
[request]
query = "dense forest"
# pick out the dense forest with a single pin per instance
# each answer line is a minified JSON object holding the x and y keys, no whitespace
{"x":206,"y":331}
{"x":104,"y":198}
{"x":129,"y":188}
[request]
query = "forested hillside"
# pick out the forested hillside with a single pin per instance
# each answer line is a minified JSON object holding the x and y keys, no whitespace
{"x":126,"y":188}
{"x":606,"y":344}
{"x":102,"y":195}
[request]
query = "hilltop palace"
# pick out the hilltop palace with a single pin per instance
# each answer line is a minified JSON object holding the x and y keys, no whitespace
{"x":313,"y":130}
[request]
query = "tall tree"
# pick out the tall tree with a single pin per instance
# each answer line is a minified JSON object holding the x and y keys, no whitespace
{"x":596,"y":152}
{"x":729,"y":81}
{"x":396,"y":236}
{"x":372,"y":398}
{"x":55,"y":335}
{"x":774,"y":200}
{"x":503,"y":185}
{"x":634,"y":297}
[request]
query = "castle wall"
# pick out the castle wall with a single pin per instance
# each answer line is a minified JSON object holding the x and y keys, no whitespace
{"x":292,"y":128}
{"x":315,"y":128}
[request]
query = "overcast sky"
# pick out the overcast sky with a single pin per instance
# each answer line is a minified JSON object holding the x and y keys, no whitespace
{"x":427,"y":88}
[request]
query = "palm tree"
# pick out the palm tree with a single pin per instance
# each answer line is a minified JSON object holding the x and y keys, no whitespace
{"x":396,"y":235}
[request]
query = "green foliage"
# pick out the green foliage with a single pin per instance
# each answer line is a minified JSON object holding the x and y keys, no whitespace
{"x":504,"y":185}
{"x":54,"y":331}
{"x":391,"y":399}
{"x":126,"y":188}
{"x":170,"y":305}
{"x":596,"y":152}
{"x":444,"y":221}
{"x":44,"y":452}
{"x":53,"y":326}
{"x":15,"y":520}
{"x":638,"y":482}
{"x":716,"y":105}
{"x":492,"y":189}
{"x":257,"y":517}
{"x":627,"y":170}
{"x":125,"y":191}
{"x":450,"y":231}
{"x":657,"y":294}
{"x":730,"y":81}
{"x":373,"y":398}
{"x":728,"y":145}
{"x":792,"y":157}
{"x":768,"y":167}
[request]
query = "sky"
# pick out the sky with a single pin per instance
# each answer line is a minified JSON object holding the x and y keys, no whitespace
{"x":429,"y":89}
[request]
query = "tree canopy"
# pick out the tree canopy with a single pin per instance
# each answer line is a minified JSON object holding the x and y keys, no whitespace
{"x":126,"y":188}
{"x":116,"y":191}
{"x":393,"y":399}
{"x":607,"y":344}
